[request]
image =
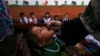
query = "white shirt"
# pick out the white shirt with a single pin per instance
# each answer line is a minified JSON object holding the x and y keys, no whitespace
{"x":47,"y":20}
{"x":32,"y":20}
{"x":65,"y":19}
{"x":24,"y":19}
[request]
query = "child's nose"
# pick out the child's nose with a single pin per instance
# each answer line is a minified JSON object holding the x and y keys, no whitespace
{"x":44,"y":28}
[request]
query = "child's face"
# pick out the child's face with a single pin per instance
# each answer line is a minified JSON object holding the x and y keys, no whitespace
{"x":23,"y":16}
{"x":33,"y":16}
{"x":66,"y":15}
{"x":47,"y":15}
{"x":42,"y":32}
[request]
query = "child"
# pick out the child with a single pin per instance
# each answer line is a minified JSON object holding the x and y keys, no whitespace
{"x":47,"y":17}
{"x":56,"y":17}
{"x":23,"y":18}
{"x":32,"y":18}
{"x":66,"y":17}
{"x":46,"y":39}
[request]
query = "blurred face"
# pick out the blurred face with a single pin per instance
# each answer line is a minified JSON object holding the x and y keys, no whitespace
{"x":43,"y":35}
{"x":42,"y":32}
{"x":33,"y":16}
{"x":56,"y":18}
{"x":23,"y":16}
{"x":47,"y":15}
{"x":67,"y":15}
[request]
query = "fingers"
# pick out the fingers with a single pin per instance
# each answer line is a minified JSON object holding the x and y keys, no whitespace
{"x":54,"y":23}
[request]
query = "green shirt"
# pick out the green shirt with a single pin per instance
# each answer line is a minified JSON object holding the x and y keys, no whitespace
{"x":53,"y":49}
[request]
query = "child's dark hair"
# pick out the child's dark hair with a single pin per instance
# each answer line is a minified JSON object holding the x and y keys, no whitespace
{"x":31,"y":38}
{"x":21,"y":14}
{"x":56,"y":16}
{"x":66,"y":13}
{"x":47,"y":13}
{"x":32,"y":42}
{"x":31,"y":13}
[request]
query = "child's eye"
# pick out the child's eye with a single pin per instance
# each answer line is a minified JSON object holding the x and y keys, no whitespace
{"x":49,"y":28}
{"x":40,"y":30}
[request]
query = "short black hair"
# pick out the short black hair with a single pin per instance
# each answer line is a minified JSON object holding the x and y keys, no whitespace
{"x":56,"y":16}
{"x":32,"y":13}
{"x":21,"y":14}
{"x":32,"y":38}
{"x":32,"y":42}
{"x":66,"y":13}
{"x":47,"y":13}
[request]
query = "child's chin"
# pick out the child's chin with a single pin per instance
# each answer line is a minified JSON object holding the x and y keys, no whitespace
{"x":42,"y":45}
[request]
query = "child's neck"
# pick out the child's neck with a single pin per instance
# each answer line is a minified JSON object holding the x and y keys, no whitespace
{"x":51,"y":41}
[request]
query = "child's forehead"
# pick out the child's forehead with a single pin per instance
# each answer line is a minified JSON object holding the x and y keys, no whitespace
{"x":35,"y":28}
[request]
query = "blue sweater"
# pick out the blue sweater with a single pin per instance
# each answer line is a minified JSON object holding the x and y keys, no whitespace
{"x":6,"y":23}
